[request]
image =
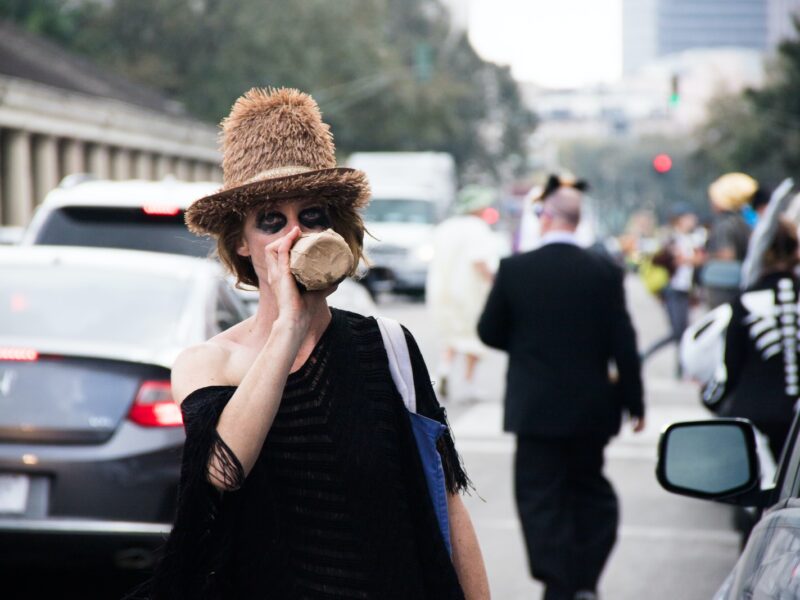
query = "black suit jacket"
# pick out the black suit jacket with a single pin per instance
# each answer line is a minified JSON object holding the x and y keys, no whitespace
{"x":559,"y":311}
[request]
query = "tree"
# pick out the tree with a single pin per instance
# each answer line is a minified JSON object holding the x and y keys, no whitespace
{"x":388,"y":74}
{"x":55,"y":19}
{"x":623,"y":179}
{"x":757,"y":131}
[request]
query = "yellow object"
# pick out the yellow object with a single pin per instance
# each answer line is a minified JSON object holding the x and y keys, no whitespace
{"x":732,"y":191}
{"x":654,"y":277}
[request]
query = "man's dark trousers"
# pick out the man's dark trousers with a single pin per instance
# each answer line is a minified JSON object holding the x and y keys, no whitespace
{"x":568,"y":510}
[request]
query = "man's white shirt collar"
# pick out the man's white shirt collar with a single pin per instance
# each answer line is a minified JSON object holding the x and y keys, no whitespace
{"x":559,"y":237}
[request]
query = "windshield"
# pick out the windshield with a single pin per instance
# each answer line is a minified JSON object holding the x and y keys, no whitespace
{"x":382,"y":210}
{"x":90,"y":305}
{"x":128,"y":228}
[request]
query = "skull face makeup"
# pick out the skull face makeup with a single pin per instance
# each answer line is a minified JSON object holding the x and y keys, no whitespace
{"x":320,"y":260}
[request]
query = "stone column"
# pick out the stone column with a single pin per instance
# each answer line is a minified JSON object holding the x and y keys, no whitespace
{"x":143,"y":166}
{"x":18,"y":190}
{"x":183,"y":169}
{"x":164,"y":166}
{"x":199,"y":171}
{"x":73,"y":160}
{"x":100,"y":161}
{"x":45,"y":169}
{"x":121,"y":167}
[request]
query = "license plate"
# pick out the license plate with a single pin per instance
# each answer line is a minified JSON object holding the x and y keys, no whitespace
{"x":13,"y":493}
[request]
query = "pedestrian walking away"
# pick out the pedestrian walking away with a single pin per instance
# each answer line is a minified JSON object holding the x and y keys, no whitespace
{"x":459,"y":278}
{"x":683,"y":255}
{"x":559,"y":311}
{"x":301,"y":476}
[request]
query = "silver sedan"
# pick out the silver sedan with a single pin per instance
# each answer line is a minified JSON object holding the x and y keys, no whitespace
{"x":90,"y":438}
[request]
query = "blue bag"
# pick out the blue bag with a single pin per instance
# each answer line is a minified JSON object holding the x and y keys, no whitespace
{"x":426,"y":431}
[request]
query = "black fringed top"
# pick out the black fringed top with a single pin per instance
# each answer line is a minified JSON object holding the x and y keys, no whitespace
{"x":336,"y":505}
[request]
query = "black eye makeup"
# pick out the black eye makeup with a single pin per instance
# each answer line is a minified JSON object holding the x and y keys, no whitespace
{"x":314,"y":217}
{"x":271,"y":221}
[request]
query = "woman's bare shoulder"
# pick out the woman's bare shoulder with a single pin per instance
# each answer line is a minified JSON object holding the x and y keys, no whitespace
{"x":200,"y":366}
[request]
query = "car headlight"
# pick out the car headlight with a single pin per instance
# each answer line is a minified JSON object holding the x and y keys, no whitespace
{"x":424,"y":252}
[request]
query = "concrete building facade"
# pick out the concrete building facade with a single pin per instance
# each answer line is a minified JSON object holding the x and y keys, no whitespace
{"x":780,"y":25}
{"x":639,"y":40}
{"x":688,"y":24}
{"x":656,"y":28}
{"x":60,"y":115}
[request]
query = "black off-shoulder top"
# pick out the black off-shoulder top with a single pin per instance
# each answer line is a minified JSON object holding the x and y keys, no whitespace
{"x":336,"y":505}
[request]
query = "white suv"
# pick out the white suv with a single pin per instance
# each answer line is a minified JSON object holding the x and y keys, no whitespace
{"x":138,"y":215}
{"x":141,"y":215}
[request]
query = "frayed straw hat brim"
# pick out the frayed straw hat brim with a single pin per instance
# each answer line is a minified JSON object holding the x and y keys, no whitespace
{"x":211,"y":214}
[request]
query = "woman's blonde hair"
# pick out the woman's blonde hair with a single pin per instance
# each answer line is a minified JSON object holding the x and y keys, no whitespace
{"x":345,"y":220}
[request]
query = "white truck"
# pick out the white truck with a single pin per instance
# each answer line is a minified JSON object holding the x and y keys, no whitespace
{"x":411,"y":193}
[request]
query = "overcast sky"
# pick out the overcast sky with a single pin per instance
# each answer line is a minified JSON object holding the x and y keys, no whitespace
{"x":554,"y":43}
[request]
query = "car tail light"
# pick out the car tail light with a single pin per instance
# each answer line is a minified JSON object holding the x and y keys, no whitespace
{"x":164,"y":211}
{"x":154,"y":406}
{"x":18,"y":354}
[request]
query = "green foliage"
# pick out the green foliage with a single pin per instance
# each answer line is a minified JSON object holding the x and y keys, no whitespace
{"x":388,"y":74}
{"x":757,"y":131}
{"x":52,"y":18}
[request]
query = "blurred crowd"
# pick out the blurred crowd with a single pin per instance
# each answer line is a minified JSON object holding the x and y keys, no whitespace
{"x":729,"y":264}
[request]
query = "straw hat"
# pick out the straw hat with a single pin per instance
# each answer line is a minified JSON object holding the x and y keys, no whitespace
{"x":732,"y":191}
{"x":275,"y":146}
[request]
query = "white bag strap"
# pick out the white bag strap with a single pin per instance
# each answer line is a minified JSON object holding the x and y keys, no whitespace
{"x":394,"y":340}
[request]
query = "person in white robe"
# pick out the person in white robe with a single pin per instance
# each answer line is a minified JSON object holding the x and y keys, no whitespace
{"x":459,"y":279}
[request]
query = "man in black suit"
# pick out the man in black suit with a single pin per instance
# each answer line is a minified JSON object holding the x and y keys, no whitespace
{"x":559,"y":311}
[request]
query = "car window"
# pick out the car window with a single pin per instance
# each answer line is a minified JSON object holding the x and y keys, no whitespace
{"x":84,"y":304}
{"x":128,"y":228}
{"x":229,"y":309}
{"x":383,"y":210}
{"x":65,"y":399}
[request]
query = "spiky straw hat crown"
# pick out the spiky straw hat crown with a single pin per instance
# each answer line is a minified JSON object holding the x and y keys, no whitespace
{"x":275,"y":146}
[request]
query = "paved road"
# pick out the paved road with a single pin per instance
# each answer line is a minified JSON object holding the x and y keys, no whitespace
{"x":670,"y":548}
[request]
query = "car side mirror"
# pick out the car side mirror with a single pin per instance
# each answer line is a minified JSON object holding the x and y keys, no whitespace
{"x":713,"y":460}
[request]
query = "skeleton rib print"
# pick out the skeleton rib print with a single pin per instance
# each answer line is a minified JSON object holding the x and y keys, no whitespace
{"x":773,"y":325}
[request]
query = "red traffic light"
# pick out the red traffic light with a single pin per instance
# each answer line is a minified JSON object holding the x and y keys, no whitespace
{"x":662,"y":163}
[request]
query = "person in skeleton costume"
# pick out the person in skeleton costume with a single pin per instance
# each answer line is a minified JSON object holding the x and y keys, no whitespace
{"x":759,"y":379}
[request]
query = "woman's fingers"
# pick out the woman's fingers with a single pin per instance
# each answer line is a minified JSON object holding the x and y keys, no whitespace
{"x":271,"y":258}
{"x":285,"y":246}
{"x":277,"y":254}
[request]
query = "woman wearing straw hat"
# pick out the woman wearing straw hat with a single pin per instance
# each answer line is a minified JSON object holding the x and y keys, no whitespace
{"x":300,"y":477}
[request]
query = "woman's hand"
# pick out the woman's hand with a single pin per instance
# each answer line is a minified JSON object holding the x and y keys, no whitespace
{"x":294,"y":308}
{"x":281,"y":281}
